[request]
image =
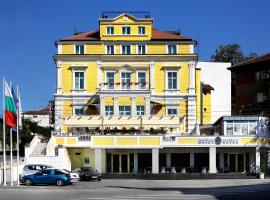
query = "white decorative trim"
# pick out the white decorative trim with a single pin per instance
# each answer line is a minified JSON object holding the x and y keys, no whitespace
{"x":192,"y":79}
{"x":99,"y":74}
{"x":152,"y":76}
{"x":59,"y":77}
{"x":59,"y":49}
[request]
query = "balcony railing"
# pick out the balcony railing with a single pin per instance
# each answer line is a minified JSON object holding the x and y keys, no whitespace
{"x":125,"y":86}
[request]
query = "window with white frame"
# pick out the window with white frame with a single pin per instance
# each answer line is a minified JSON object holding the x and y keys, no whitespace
{"x":78,"y":110}
{"x":141,"y":49}
{"x":79,"y":49}
{"x":110,"y":80}
{"x":126,"y":49}
{"x":78,"y":83}
{"x":108,"y":110}
{"x":124,"y":110}
{"x":141,"y":80}
{"x":171,"y":111}
{"x":125,"y":80}
{"x":110,"y":49}
{"x":126,"y":30}
{"x":140,"y":110}
{"x":172,"y":80}
{"x":229,"y":129}
{"x":141,"y":30}
{"x":172,"y":49}
{"x":110,"y":30}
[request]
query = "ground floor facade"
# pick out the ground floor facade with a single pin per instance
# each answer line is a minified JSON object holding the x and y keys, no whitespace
{"x":169,"y":160}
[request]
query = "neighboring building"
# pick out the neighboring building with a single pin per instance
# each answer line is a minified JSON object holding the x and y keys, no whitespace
{"x":219,"y":77}
{"x":129,"y":98}
{"x":251,"y":87}
{"x":41,"y":117}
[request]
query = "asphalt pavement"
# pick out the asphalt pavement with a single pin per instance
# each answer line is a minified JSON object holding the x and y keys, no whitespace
{"x":131,"y":189}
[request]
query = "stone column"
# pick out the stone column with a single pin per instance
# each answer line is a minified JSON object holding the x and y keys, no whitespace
{"x":168,"y":160}
{"x":58,"y":115}
{"x":99,"y":74}
{"x":152,"y":76}
{"x":212,"y":160}
{"x":258,"y":160}
{"x":133,"y":106}
{"x":147,"y":106}
{"x":191,"y":159}
{"x":98,"y":160}
{"x":155,"y":161}
{"x":102,"y":106}
{"x":115,"y":106}
{"x":135,"y":162}
{"x":59,"y":78}
{"x":191,"y":114}
{"x":192,"y":78}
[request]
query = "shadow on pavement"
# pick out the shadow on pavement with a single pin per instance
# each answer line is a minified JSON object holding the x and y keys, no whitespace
{"x":247,"y":192}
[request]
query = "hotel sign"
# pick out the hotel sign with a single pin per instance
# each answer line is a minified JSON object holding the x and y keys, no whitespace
{"x":219,"y":141}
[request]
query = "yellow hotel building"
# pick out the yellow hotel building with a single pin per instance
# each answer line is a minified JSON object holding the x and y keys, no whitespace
{"x":128,"y":100}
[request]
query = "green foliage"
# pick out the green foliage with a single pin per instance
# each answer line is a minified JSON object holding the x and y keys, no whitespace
{"x":29,"y":128}
{"x":231,"y":53}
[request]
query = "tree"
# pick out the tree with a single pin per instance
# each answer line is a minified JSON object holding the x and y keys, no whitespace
{"x":230,"y":53}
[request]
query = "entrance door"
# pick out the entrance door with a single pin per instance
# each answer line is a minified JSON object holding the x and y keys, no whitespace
{"x":240,"y":163}
{"x":124,"y":163}
{"x":116,"y":163}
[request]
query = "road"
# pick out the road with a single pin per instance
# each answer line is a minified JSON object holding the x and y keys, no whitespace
{"x":116,"y":189}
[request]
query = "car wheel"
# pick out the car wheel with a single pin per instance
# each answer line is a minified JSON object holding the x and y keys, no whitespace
{"x":60,"y":182}
{"x":28,"y":182}
{"x":99,"y":179}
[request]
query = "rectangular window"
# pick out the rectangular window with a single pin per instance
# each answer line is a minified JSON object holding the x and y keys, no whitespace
{"x":172,"y":80}
{"x":141,"y":30}
{"x":110,"y":30}
{"x":171,"y":111}
{"x":229,"y":129}
{"x":141,"y":80}
{"x":141,"y":49}
{"x":237,"y":129}
{"x":110,"y":49}
{"x":79,"y":80}
{"x":172,"y":49}
{"x":140,"y":110}
{"x":110,"y":80}
{"x":108,"y":110}
{"x":126,"y":30}
{"x":124,"y":110}
{"x":252,"y":128}
{"x":126,"y":49}
{"x":79,"y":49}
{"x":79,"y":111}
{"x":245,"y":128}
{"x":125,"y":79}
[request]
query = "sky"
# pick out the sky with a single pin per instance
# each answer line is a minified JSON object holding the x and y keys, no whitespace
{"x":29,"y":29}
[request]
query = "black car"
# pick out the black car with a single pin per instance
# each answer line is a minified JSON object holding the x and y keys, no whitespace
{"x":87,"y":174}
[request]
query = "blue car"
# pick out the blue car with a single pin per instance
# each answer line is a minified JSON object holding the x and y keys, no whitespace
{"x":47,"y":176}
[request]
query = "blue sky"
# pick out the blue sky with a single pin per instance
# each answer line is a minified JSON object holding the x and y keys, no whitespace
{"x":29,"y":28}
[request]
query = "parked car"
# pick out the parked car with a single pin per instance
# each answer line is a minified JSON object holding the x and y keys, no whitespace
{"x":87,"y":173}
{"x":32,"y":168}
{"x":47,"y":176}
{"x":75,"y":177}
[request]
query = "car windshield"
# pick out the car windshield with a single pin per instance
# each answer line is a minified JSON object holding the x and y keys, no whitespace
{"x":87,"y":169}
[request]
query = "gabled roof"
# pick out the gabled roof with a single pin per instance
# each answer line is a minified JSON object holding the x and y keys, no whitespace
{"x":263,"y":58}
{"x":43,"y":111}
{"x":157,"y":35}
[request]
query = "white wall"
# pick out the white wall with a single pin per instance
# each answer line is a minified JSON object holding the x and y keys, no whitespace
{"x":42,"y":120}
{"x":218,"y":76}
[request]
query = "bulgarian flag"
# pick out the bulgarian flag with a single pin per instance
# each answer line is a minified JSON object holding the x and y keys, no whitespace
{"x":10,"y":108}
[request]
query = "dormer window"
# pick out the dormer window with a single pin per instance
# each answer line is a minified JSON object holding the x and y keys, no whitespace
{"x":110,"y":30}
{"x":126,"y":30}
{"x":79,"y":49}
{"x":141,"y":30}
{"x":172,"y":49}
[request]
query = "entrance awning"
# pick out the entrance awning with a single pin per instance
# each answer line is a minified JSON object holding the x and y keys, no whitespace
{"x":93,"y":101}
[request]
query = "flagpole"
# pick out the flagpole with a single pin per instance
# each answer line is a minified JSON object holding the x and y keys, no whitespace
{"x":4,"y":134}
{"x":11,"y":158}
{"x":17,"y":146}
